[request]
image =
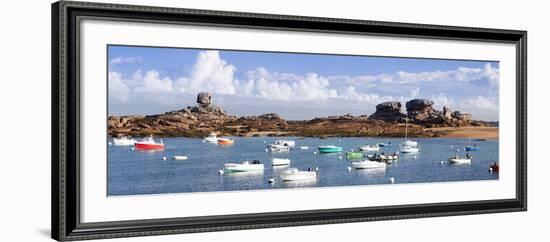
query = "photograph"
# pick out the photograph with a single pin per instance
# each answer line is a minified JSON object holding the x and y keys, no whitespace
{"x":184,"y":120}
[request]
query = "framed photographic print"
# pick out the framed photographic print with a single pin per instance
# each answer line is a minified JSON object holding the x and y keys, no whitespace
{"x":169,"y":120}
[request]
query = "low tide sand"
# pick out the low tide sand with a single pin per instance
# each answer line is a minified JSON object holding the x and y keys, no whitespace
{"x":465,"y":132}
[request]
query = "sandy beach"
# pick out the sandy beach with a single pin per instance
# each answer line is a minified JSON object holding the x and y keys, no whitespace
{"x":465,"y":132}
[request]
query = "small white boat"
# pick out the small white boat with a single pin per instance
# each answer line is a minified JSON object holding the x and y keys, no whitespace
{"x":410,"y":143}
{"x":370,"y":148}
{"x":409,"y":149}
{"x":293,"y":174}
{"x":304,"y":147}
{"x":123,"y":141}
{"x":457,"y":160}
{"x":289,"y":143}
{"x":179,"y":157}
{"x":278,"y":148}
{"x":367,"y":164}
{"x":244,"y":167}
{"x":211,"y":138}
{"x":281,"y":162}
{"x":409,"y":146}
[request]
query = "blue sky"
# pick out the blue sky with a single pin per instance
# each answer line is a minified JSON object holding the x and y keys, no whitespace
{"x":146,"y":80}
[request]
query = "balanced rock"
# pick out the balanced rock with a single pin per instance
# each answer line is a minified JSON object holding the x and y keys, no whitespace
{"x":204,"y":99}
{"x":389,"y":112}
{"x":421,"y":110}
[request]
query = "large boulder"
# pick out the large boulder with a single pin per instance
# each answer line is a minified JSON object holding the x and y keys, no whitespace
{"x":389,"y":112}
{"x":204,"y":99}
{"x":421,"y":110}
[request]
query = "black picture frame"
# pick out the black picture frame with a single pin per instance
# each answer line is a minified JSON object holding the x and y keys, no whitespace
{"x":66,"y":224}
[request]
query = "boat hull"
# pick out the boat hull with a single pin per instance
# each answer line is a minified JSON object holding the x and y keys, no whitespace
{"x":299,"y":176}
{"x":210,"y":140}
{"x":234,"y":167}
{"x":330,"y":149}
{"x":354,"y":155}
{"x":471,"y":148}
{"x":179,"y":157}
{"x":280,"y":162}
{"x":225,"y":141}
{"x":368,"y":165}
{"x":459,"y":161}
{"x":369,"y":148}
{"x":148,"y":146}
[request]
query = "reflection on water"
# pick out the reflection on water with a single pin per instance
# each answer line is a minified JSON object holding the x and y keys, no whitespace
{"x":146,"y":172}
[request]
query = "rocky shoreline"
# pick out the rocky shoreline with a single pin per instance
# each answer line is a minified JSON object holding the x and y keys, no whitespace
{"x":388,"y":121}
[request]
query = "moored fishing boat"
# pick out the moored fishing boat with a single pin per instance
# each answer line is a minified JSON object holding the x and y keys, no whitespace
{"x":409,"y":146}
{"x":148,"y":143}
{"x":458,"y":160}
{"x":288,"y":143}
{"x":293,"y":174}
{"x":409,"y":149}
{"x":367,"y":164}
{"x":278,"y":148}
{"x":123,"y":141}
{"x":280,"y":162}
{"x":329,"y":149}
{"x":354,"y":155}
{"x":225,"y":141}
{"x":370,"y":148}
{"x":245,"y":166}
{"x":211,"y":138}
{"x":384,"y":144}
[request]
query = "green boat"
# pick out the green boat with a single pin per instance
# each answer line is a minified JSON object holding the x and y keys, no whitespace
{"x":329,"y":149}
{"x":354,"y":155}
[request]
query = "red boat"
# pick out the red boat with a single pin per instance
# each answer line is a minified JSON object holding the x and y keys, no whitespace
{"x":148,"y":143}
{"x":494,"y":167}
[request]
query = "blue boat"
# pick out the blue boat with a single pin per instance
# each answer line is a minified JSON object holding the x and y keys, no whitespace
{"x":329,"y":149}
{"x":471,"y":148}
{"x":384,"y":144}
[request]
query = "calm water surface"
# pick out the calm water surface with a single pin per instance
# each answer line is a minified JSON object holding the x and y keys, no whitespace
{"x":133,"y":172}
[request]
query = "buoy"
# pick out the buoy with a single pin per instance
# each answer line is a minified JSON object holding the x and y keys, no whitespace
{"x":392,"y":180}
{"x":220,"y":172}
{"x":314,"y":152}
{"x":164,"y":158}
{"x":271,"y":180}
{"x":133,"y":148}
{"x":264,"y":141}
{"x":316,"y":169}
{"x":110,"y":143}
{"x":414,"y":157}
{"x":339,"y":157}
{"x":339,"y":140}
{"x":490,"y":169}
{"x":452,"y":146}
{"x":441,"y":162}
{"x":349,"y":168}
{"x":266,"y":150}
{"x":457,"y":150}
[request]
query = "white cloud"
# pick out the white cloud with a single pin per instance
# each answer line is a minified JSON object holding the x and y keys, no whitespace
{"x":126,"y":60}
{"x":461,"y":74}
{"x":152,"y":82}
{"x":480,"y":102}
{"x":117,"y":88}
{"x":210,"y":73}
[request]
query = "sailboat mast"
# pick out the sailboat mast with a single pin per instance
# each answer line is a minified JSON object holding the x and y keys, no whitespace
{"x":406,"y":127}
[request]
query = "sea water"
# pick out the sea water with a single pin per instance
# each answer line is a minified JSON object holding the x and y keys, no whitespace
{"x":132,"y":172}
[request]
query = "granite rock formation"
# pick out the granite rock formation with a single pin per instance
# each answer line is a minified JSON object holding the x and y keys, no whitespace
{"x":389,"y":112}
